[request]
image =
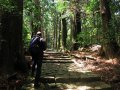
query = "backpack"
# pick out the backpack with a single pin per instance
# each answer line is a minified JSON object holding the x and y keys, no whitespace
{"x":34,"y":47}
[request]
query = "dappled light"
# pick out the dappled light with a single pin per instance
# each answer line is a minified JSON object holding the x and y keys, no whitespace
{"x":59,"y":45}
{"x":107,"y":68}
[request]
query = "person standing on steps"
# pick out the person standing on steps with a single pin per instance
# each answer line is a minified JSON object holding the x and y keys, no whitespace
{"x":37,"y":48}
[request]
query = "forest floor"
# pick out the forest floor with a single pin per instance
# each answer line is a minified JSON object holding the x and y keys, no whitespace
{"x":109,"y":69}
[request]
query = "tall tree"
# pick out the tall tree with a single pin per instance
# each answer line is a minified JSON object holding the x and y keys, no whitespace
{"x":11,"y":43}
{"x":77,"y":20}
{"x":64,"y":32}
{"x":110,"y":47}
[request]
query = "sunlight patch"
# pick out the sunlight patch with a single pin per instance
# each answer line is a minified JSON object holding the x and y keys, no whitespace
{"x":83,"y":88}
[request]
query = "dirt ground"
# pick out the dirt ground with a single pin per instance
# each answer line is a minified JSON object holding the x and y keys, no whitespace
{"x":109,"y":69}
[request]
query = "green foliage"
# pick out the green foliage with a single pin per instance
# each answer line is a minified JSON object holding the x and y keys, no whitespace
{"x":51,"y":11}
{"x":61,"y":6}
{"x":91,"y":24}
{"x":115,"y":23}
{"x":36,"y":16}
{"x":115,"y":6}
{"x":87,"y":37}
{"x":93,"y":5}
{"x":26,"y":37}
{"x":28,"y":8}
{"x":7,"y":5}
{"x":113,"y":34}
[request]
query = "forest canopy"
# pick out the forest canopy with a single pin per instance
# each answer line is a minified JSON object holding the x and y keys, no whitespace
{"x":69,"y":24}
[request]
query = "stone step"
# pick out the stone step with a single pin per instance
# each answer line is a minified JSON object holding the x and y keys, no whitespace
{"x":68,"y":72}
{"x":96,"y":85}
{"x":59,"y":72}
{"x":80,"y":86}
{"x":52,"y":79}
{"x":63,"y":83}
{"x":28,"y":58}
{"x":55,"y":53}
{"x":57,"y":61}
{"x":57,"y":58}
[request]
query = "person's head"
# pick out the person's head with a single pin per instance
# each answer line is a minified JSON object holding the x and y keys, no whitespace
{"x":38,"y":33}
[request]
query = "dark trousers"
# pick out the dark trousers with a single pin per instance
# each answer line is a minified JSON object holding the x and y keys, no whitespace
{"x":37,"y":60}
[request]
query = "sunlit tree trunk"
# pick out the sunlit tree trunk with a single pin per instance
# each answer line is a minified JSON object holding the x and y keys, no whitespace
{"x":55,"y":25}
{"x":72,"y":28}
{"x":110,"y":47}
{"x":55,"y":34}
{"x":59,"y":32}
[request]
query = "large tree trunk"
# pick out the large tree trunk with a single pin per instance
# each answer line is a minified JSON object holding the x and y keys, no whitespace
{"x":77,"y":20}
{"x":110,"y":47}
{"x":76,"y":29}
{"x":64,"y":32}
{"x":11,"y":56}
{"x":77,"y":25}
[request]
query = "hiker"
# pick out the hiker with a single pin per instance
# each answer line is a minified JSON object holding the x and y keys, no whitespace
{"x":37,"y":46}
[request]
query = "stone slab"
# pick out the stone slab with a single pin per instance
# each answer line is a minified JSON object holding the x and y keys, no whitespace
{"x":65,"y":72}
{"x":80,"y":86}
{"x":57,"y":58}
{"x":57,"y":61}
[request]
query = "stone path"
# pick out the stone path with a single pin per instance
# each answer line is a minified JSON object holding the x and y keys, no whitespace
{"x":60,"y":72}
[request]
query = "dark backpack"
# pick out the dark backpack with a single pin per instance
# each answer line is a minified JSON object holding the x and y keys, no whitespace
{"x":34,"y":47}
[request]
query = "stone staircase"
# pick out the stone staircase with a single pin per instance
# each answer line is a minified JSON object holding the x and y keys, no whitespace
{"x":59,"y":72}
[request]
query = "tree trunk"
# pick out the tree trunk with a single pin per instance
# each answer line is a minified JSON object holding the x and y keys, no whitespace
{"x":55,"y":31}
{"x":78,"y":23}
{"x":72,"y":29}
{"x":76,"y":29}
{"x":110,"y":47}
{"x":64,"y":32}
{"x":12,"y":58}
{"x":59,"y":33}
{"x":77,"y":20}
